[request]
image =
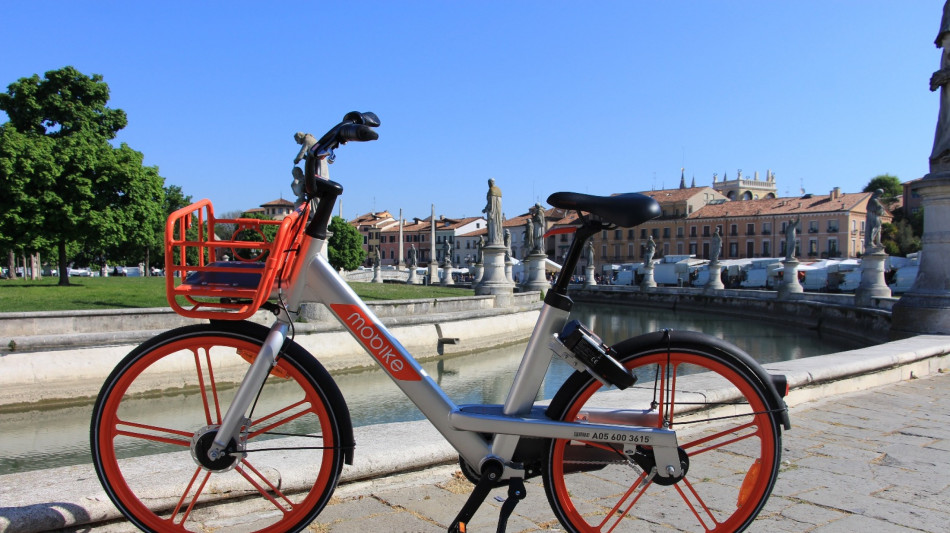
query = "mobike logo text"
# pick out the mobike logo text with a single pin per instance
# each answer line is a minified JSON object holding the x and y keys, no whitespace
{"x":374,"y":342}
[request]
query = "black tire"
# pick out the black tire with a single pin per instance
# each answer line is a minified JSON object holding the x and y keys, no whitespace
{"x":158,"y":402}
{"x":728,"y":429}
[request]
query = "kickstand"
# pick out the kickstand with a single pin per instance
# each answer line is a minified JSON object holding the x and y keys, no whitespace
{"x":516,"y":493}
{"x":491,"y":474}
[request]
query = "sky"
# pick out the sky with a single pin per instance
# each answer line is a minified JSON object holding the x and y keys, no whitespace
{"x":597,"y":97}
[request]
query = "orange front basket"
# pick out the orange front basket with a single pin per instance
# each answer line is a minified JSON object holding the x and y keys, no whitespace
{"x":209,"y":276}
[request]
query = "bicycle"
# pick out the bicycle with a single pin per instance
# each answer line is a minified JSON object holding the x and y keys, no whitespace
{"x":674,"y":428}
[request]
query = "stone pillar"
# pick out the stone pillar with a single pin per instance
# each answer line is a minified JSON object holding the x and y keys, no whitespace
{"x":493,"y":279}
{"x":589,"y":280}
{"x":872,"y":280}
{"x":925,"y":308}
{"x":715,"y":277}
{"x":648,"y":281}
{"x":401,"y":253}
{"x":790,"y":284}
{"x":535,"y":279}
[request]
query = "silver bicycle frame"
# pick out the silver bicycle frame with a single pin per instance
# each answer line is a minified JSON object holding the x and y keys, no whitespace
{"x":314,"y":280}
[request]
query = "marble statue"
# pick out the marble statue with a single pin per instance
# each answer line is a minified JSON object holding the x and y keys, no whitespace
{"x":376,"y":255}
{"x":528,"y":238}
{"x":507,"y":246}
{"x":716,"y":245}
{"x":590,"y":253}
{"x":298,"y":186}
{"x":306,"y":142}
{"x":537,"y":224}
{"x":790,"y":230}
{"x":651,"y":249}
{"x":493,"y":213}
{"x":412,"y":256}
{"x":872,"y":224}
{"x":478,"y":249}
{"x":940,"y":155}
{"x":447,"y":252}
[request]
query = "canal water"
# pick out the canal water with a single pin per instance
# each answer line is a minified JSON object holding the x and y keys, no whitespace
{"x":32,"y":440}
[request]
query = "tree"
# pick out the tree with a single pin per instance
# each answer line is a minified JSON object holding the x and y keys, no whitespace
{"x":345,"y":247}
{"x":84,"y":193}
{"x":891,"y":186}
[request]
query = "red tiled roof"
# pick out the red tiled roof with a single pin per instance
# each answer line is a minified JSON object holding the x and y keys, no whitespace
{"x":785,"y":206}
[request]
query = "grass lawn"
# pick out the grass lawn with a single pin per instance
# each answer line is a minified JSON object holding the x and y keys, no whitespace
{"x":125,"y":293}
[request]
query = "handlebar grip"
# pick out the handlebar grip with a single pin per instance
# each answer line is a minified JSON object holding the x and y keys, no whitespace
{"x":356,"y":132}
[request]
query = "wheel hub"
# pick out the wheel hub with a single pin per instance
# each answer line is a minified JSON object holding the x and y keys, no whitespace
{"x":645,"y":460}
{"x":202,"y":441}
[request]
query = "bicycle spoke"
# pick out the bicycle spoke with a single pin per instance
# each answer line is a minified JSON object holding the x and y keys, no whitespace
{"x":282,"y":421}
{"x":616,"y":508}
{"x":692,"y":507}
{"x":267,"y":495}
{"x":715,"y":436}
{"x":153,"y":437}
{"x":194,"y":498}
{"x":201,"y":386}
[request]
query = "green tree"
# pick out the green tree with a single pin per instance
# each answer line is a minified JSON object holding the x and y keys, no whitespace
{"x":345,"y":246}
{"x":891,"y":186}
{"x":88,"y":194}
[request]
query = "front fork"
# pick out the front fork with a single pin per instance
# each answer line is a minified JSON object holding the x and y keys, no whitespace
{"x":248,"y":390}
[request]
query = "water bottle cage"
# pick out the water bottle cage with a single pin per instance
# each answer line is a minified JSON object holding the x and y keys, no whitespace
{"x":585,"y":351}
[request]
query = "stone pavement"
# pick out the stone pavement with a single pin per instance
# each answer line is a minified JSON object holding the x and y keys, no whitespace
{"x":875,"y":461}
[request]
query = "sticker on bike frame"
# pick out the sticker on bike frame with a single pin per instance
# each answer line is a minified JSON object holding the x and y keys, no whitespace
{"x":375,"y":342}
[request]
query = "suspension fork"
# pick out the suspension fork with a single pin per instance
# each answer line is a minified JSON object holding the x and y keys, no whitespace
{"x":247,"y":391}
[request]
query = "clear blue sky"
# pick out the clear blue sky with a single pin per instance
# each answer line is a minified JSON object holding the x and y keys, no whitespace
{"x":596,"y":97}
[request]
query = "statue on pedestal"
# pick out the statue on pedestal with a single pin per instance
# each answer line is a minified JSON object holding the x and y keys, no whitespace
{"x":507,"y":246}
{"x":376,"y":256}
{"x":411,"y":260}
{"x":590,"y":253}
{"x":528,"y":239}
{"x":447,"y":253}
{"x":872,"y":224}
{"x":651,"y":249}
{"x":493,"y":213}
{"x":537,"y":225}
{"x":478,"y":249}
{"x":790,"y":230}
{"x":306,"y":142}
{"x":716,"y":246}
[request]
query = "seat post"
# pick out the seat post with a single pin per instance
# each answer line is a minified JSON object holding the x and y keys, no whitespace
{"x":583,"y":233}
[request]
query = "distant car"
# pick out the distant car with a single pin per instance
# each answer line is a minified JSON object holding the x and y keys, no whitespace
{"x":80,"y":272}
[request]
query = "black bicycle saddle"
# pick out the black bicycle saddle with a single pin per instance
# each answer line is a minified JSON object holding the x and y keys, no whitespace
{"x":624,"y":210}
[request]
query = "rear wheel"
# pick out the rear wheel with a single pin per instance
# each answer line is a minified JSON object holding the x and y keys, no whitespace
{"x":730,"y":446}
{"x":158,"y":412}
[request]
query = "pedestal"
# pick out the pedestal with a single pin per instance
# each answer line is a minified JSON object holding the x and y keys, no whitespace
{"x":589,"y":280}
{"x":872,"y":280}
{"x":535,"y":279}
{"x":377,"y":277}
{"x":790,"y":284}
{"x":413,"y":277}
{"x":433,"y":273}
{"x":715,"y":277}
{"x":925,"y":308}
{"x":508,"y":275}
{"x":477,"y":270}
{"x":648,"y":281}
{"x":447,"y":275}
{"x":493,"y":279}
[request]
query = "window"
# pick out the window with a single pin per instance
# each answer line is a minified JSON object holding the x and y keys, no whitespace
{"x":666,"y":233}
{"x":643,"y":233}
{"x":733,"y":249}
{"x":604,"y":235}
{"x":734,"y":230}
{"x":680,"y":231}
{"x":750,"y":229}
{"x":655,"y":232}
{"x":833,"y":248}
{"x":766,"y":249}
{"x":766,"y":228}
{"x":706,"y":231}
{"x":631,"y":233}
{"x":618,"y":234}
{"x":692,"y":248}
{"x":813,"y":226}
{"x":603,"y":251}
{"x":692,"y":231}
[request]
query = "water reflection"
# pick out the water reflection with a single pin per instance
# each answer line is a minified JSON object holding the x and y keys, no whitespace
{"x":58,"y":437}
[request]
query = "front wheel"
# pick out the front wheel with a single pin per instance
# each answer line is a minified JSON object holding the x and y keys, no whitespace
{"x":729,"y":439}
{"x":157,"y":415}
